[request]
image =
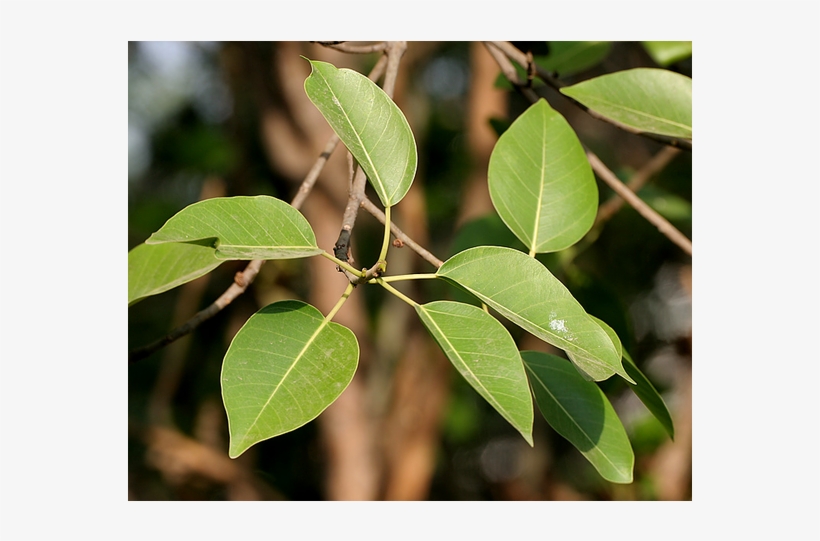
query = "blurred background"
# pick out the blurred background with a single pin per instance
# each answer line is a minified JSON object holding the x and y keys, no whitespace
{"x":210,"y":119}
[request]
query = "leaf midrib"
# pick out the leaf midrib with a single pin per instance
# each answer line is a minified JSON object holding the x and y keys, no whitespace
{"x":509,"y":314}
{"x":441,"y":334}
{"x":378,"y":179}
{"x":639,"y":113}
{"x":535,"y":226}
{"x":310,"y":341}
{"x":571,"y":418}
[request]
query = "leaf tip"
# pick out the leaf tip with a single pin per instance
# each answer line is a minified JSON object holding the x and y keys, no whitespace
{"x":623,"y":374}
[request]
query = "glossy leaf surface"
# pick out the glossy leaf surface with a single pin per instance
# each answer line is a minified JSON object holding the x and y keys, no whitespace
{"x":260,"y":227}
{"x":370,"y":124}
{"x":485,"y":354}
{"x":651,"y":100}
{"x":580,"y":412}
{"x":613,"y":336}
{"x":650,"y":397}
{"x":540,"y":181}
{"x":283,"y":368}
{"x":524,"y":291}
{"x":155,"y":268}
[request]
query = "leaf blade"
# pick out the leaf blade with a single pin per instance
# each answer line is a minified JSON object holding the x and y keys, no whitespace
{"x":284,"y":367}
{"x":580,"y":412}
{"x":259,"y":227}
{"x":370,"y":124}
{"x":613,"y":336}
{"x":154,"y":269}
{"x":540,"y":181}
{"x":522,"y":290}
{"x":650,"y":396}
{"x":648,"y":99}
{"x":486,"y":356}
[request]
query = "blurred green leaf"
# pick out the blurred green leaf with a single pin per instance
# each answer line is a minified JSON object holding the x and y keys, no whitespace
{"x":153,"y":269}
{"x":282,"y":369}
{"x":197,"y":147}
{"x":571,"y":57}
{"x":651,"y":100}
{"x":580,"y":412}
{"x":650,"y":397}
{"x":486,"y":356}
{"x":260,"y":227}
{"x":488,"y":230}
{"x":370,"y":124}
{"x":668,"y":52}
{"x":540,"y":181}
{"x":667,"y":204}
{"x":522,"y":290}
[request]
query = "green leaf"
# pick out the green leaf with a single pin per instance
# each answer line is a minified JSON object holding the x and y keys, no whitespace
{"x":370,"y":124}
{"x":485,"y":354}
{"x":540,"y":181}
{"x":260,"y":227}
{"x":580,"y":412}
{"x":571,"y":57}
{"x":650,"y":397}
{"x":610,"y":332}
{"x":283,"y":368}
{"x":651,"y":100}
{"x":524,"y":291}
{"x":153,"y":269}
{"x":668,"y":52}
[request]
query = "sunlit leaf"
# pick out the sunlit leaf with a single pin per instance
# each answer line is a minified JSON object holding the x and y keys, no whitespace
{"x":153,"y":269}
{"x":370,"y":124}
{"x":260,"y":227}
{"x":571,"y":57}
{"x":540,"y":181}
{"x":580,"y":412}
{"x":524,"y":291}
{"x":610,"y":332}
{"x":485,"y":354}
{"x":283,"y":368}
{"x":650,"y":397}
{"x":648,"y":99}
{"x":668,"y":52}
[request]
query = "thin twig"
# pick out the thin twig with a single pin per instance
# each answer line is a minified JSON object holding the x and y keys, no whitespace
{"x":346,"y":47}
{"x":246,"y":277}
{"x":636,"y":182}
{"x":597,"y":165}
{"x":370,"y":207}
{"x":241,"y":282}
{"x":638,"y":204}
{"x":393,"y":52}
{"x":508,"y":70}
{"x":313,"y":174}
{"x":520,"y":57}
{"x":608,"y":209}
